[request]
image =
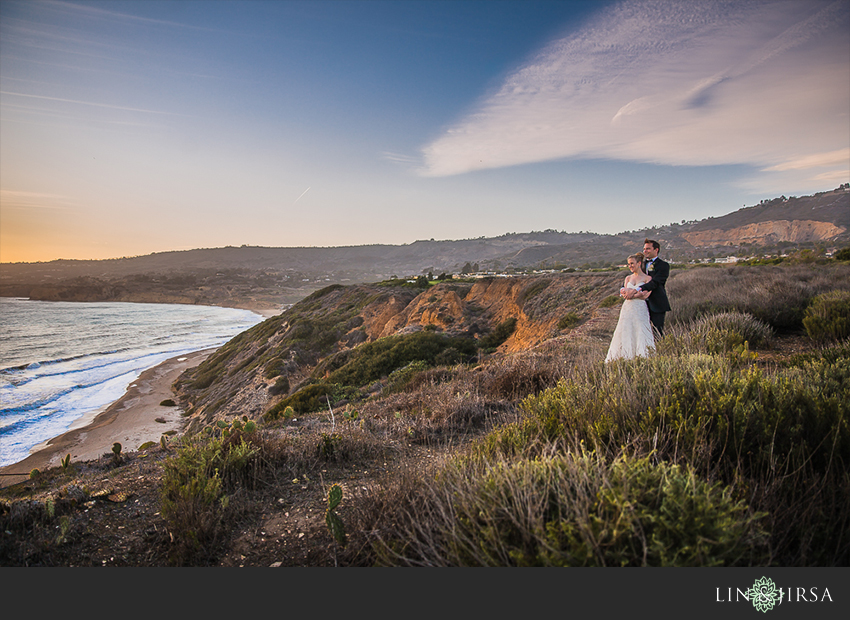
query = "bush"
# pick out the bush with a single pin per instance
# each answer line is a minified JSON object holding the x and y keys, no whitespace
{"x":400,"y":377}
{"x":843,"y":254}
{"x":273,"y":368}
{"x":828,"y":316}
{"x":611,"y":300}
{"x":305,"y":400}
{"x":569,"y":320}
{"x":782,"y":434}
{"x":496,"y":337}
{"x":375,"y":360}
{"x":575,"y":511}
{"x":193,"y":500}
{"x":716,"y":333}
{"x":776,"y":295}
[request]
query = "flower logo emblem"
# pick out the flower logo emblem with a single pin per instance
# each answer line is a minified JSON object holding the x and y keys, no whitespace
{"x":764,"y":594}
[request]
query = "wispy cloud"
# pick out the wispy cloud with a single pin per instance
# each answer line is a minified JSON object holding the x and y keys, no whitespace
{"x":840,"y":158}
{"x":96,"y":12}
{"x":16,"y":199}
{"x":88,"y":103}
{"x":676,"y":83}
{"x":399,"y":158}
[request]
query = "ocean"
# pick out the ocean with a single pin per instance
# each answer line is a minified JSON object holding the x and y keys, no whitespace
{"x":63,"y":361}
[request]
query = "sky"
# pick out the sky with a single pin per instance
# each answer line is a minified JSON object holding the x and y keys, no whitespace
{"x":133,"y":127}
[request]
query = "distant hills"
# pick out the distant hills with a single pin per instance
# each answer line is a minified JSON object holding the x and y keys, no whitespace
{"x":249,"y":276}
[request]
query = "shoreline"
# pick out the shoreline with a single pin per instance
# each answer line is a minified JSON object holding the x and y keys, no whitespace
{"x":132,"y":420}
{"x":135,"y":418}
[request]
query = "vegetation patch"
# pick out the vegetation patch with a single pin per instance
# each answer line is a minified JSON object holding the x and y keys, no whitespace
{"x":374,"y":360}
{"x":610,"y":301}
{"x":828,"y":316}
{"x":502,"y":332}
{"x":570,"y":510}
{"x":195,"y":481}
{"x":304,"y":400}
{"x":569,"y":320}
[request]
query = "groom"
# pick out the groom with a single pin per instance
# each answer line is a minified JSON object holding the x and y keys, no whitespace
{"x":659,"y":271}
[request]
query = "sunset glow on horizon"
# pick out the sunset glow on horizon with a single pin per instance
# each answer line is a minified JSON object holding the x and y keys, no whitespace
{"x":132,"y":127}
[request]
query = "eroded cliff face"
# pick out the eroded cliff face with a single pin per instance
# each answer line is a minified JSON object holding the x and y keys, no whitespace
{"x":767,"y":233}
{"x":268,"y":362}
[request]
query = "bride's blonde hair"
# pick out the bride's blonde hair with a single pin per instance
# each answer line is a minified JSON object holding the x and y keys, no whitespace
{"x":638,"y":257}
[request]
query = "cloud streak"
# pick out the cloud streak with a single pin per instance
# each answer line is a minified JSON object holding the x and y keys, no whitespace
{"x":673,"y":83}
{"x":88,"y":103}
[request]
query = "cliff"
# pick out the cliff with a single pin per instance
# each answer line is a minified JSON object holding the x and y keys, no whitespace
{"x":766,"y":233}
{"x":305,"y":344}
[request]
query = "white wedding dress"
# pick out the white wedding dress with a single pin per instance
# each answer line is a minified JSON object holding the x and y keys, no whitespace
{"x":633,"y":336}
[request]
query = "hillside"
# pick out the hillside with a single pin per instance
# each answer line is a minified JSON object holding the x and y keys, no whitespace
{"x":474,"y":423}
{"x":271,"y":278}
{"x":305,"y":343}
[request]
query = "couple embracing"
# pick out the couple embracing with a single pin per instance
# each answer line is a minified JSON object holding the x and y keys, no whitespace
{"x":644,"y":306}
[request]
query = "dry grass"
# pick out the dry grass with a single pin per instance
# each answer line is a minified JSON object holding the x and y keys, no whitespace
{"x":777,"y":295}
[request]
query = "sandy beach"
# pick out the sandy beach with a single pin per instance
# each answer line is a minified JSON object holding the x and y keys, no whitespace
{"x":135,"y":418}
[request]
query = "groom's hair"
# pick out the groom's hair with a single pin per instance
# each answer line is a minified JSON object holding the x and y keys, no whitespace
{"x":654,"y":243}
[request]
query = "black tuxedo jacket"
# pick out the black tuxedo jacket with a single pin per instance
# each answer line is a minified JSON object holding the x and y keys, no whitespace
{"x":659,"y":272}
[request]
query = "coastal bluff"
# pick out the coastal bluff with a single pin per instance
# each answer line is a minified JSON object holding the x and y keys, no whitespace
{"x":303,"y":345}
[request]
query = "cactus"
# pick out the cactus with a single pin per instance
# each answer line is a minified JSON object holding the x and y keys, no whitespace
{"x":66,"y":462}
{"x":334,"y":523}
{"x":334,"y":496}
{"x":35,"y":473}
{"x":163,"y":442}
{"x":116,"y":450}
{"x":250,"y":426}
{"x":64,"y":526}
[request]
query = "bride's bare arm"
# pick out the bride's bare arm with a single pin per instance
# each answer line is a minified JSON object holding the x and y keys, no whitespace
{"x":626,"y":292}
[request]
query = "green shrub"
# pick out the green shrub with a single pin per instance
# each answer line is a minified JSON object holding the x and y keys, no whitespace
{"x":304,"y":400}
{"x":168,"y":403}
{"x":611,"y":300}
{"x":400,"y":377}
{"x":722,"y":332}
{"x":569,"y":320}
{"x":192,"y":495}
{"x":699,"y":405}
{"x":784,"y":434}
{"x":375,"y":360}
{"x":576,"y":511}
{"x":273,"y":368}
{"x":449,"y":357}
{"x":501,"y":333}
{"x":828,"y":316}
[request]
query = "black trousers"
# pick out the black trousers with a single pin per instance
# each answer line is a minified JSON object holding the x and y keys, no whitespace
{"x":657,"y":320}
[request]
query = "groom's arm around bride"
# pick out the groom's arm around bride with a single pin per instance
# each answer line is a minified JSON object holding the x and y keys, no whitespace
{"x":659,"y":271}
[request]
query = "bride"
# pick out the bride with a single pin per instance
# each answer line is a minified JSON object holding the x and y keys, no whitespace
{"x":633,"y":336}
